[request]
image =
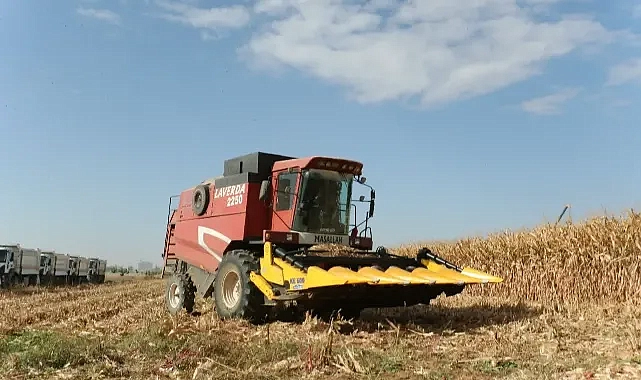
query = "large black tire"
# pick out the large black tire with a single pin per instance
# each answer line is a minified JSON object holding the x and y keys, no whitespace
{"x":200,"y":199}
{"x":180,"y":293}
{"x":235,"y":296}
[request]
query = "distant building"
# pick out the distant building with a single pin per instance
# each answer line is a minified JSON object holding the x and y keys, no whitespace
{"x":145,"y":266}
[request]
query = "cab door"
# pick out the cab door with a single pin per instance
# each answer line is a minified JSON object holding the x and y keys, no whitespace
{"x":285,"y":198}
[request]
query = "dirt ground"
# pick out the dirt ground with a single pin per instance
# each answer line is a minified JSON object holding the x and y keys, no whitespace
{"x":120,"y":330}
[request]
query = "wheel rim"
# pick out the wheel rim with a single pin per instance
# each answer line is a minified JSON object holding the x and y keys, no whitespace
{"x":174,"y":295}
{"x":231,"y":289}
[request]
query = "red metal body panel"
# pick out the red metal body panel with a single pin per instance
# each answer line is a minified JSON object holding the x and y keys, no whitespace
{"x":234,"y":214}
{"x":193,"y":238}
{"x":308,"y":162}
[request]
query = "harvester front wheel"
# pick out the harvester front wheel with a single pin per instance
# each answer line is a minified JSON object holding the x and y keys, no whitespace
{"x":180,"y":293}
{"x":235,"y":296}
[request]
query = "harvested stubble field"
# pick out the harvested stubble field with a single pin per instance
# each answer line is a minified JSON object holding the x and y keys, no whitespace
{"x":568,"y":309}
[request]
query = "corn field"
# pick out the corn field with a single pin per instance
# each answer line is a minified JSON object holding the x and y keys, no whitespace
{"x":524,"y":327}
{"x":595,"y":260}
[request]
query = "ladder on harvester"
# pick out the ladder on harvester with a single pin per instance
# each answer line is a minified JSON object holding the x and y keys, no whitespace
{"x":169,"y":257}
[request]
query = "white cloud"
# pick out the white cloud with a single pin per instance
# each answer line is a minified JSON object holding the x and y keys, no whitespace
{"x":549,"y":104}
{"x":438,"y":50}
{"x":625,"y":72}
{"x":100,"y":14}
{"x":205,"y":18}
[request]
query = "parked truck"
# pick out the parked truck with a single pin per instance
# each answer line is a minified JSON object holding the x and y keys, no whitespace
{"x":96,"y":272}
{"x":102,"y":270}
{"x":19,"y":265}
{"x":72,"y":277}
{"x":83,"y":270}
{"x":47,"y":268}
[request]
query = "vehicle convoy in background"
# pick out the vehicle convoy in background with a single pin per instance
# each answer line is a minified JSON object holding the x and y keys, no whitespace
{"x":251,"y":239}
{"x":25,"y":266}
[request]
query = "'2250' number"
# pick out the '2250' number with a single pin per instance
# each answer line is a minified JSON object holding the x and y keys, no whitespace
{"x":234,"y":200}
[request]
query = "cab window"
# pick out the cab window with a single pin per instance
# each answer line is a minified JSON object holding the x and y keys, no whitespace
{"x":285,"y":191}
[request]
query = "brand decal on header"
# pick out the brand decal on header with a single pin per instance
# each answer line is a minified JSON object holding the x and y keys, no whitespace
{"x":328,"y":239}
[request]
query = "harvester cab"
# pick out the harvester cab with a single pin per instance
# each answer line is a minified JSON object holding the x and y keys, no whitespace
{"x":311,"y":203}
{"x":262,"y":237}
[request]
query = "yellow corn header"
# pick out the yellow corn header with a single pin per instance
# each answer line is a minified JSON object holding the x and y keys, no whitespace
{"x":354,"y":283}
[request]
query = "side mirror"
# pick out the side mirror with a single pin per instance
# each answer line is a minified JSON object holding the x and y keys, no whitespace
{"x":371,"y":204}
{"x":265,"y":186}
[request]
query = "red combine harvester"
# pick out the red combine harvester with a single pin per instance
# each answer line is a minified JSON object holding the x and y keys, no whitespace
{"x":250,"y":239}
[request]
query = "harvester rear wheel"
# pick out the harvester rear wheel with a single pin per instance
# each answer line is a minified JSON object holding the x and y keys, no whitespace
{"x":235,"y":296}
{"x":180,"y":293}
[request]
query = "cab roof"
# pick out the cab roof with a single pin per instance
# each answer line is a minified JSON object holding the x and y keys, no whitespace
{"x":319,"y":162}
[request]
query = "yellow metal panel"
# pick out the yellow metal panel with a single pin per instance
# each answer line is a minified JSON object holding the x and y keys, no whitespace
{"x":407,"y":276}
{"x":271,"y":272}
{"x":317,"y":277}
{"x":262,"y":285}
{"x":437,"y":278}
{"x":351,"y":276}
{"x":381,"y":277}
{"x":294,"y":276}
{"x":484,"y":277}
{"x":289,"y":271}
{"x":267,"y":253}
{"x":449,"y":273}
{"x":268,"y":270}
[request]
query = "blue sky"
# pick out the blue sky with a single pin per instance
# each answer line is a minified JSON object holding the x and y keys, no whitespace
{"x":469,"y":118}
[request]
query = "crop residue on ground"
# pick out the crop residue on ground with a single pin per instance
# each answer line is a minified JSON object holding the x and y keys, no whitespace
{"x":568,"y":309}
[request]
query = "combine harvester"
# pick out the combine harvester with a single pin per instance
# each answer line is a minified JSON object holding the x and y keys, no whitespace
{"x":249,"y":239}
{"x":26,"y":266}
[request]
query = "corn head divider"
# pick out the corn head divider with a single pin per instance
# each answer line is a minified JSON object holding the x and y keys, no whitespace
{"x":247,"y":239}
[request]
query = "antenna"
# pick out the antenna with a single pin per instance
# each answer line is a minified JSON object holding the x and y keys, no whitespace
{"x":562,"y":213}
